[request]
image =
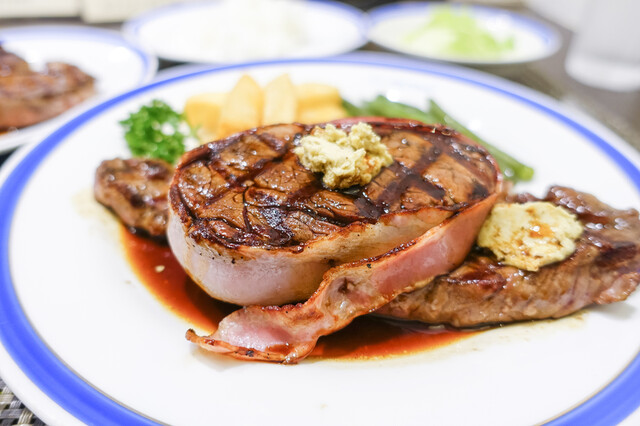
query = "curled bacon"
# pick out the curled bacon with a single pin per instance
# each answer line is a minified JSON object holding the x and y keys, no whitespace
{"x":289,"y":333}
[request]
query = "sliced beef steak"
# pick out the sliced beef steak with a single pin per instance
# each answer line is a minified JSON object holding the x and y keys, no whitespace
{"x":28,"y":97}
{"x":253,"y":226}
{"x":605,"y":268}
{"x":136,"y":190}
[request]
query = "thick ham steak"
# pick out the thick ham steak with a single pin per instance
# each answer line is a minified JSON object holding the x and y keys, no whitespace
{"x":252,"y":226}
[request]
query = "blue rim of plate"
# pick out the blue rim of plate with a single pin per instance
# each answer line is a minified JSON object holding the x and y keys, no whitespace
{"x":29,"y":32}
{"x":131,"y":28}
{"x":550,"y":37}
{"x":609,"y":406}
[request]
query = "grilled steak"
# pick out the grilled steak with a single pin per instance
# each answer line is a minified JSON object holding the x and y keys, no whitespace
{"x":136,"y":190}
{"x":237,"y":206}
{"x":289,"y":333}
{"x":252,"y":226}
{"x":605,"y":268}
{"x":28,"y":97}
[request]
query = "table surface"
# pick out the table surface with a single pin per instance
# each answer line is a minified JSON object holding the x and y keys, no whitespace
{"x":620,"y":111}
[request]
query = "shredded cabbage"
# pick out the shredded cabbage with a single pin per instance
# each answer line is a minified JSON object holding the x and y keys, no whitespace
{"x":453,"y":31}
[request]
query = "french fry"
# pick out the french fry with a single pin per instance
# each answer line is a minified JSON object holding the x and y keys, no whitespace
{"x":280,"y":101}
{"x":313,"y":95}
{"x":242,"y":109}
{"x":202,"y":111}
{"x":247,"y":105}
{"x":321,"y":114}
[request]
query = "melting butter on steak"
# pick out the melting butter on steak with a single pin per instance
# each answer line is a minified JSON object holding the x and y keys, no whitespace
{"x":604,"y":268}
{"x":252,"y":226}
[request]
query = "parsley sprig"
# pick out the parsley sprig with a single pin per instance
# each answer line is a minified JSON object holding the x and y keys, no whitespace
{"x":156,"y":131}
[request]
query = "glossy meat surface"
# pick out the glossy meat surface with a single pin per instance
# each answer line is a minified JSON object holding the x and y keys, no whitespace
{"x":252,"y":226}
{"x":136,"y":190}
{"x":28,"y":97}
{"x":252,"y":190}
{"x":289,"y":333}
{"x":605,"y":268}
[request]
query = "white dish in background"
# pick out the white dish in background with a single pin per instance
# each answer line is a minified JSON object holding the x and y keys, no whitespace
{"x":233,"y":31}
{"x":391,"y":24}
{"x":116,"y":64}
{"x":84,"y":340}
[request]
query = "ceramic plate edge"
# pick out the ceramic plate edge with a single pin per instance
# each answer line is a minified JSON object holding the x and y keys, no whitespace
{"x":603,"y":397}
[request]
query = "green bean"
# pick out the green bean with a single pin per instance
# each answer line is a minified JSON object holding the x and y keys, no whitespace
{"x":354,"y":110}
{"x":386,"y":108}
{"x":513,"y":169}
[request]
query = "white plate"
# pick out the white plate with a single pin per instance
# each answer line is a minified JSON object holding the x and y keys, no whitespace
{"x":233,"y":31}
{"x":391,"y":24}
{"x":83,"y":339}
{"x":115,"y":62}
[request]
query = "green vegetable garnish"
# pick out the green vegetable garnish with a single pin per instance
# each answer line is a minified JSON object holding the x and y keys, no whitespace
{"x":454,"y":32}
{"x":511,"y":168}
{"x":156,"y":131}
{"x":381,"y":106}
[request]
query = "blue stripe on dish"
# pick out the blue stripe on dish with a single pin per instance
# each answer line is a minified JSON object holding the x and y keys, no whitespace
{"x":609,"y":406}
{"x":31,"y":32}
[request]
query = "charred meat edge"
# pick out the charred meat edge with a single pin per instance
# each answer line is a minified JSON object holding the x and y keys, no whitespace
{"x":223,"y":270}
{"x":604,"y":268}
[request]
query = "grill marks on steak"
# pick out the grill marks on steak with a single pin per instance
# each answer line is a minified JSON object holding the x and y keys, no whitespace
{"x":28,"y":97}
{"x":136,"y":190}
{"x":417,"y":219}
{"x":251,"y":190}
{"x":252,"y":226}
{"x":605,"y":268}
{"x":289,"y":333}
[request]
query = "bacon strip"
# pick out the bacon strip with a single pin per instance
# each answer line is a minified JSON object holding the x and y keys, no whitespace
{"x":289,"y":333}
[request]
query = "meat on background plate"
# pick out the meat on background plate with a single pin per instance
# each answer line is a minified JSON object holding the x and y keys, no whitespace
{"x":28,"y":96}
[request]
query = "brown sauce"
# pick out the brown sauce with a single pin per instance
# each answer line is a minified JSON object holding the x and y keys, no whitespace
{"x":365,"y":338}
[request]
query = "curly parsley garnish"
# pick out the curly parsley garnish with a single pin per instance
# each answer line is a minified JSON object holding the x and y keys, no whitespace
{"x":156,"y":131}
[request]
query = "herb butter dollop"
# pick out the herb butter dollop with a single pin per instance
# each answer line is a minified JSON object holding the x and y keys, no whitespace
{"x":530,"y":235}
{"x":345,"y":159}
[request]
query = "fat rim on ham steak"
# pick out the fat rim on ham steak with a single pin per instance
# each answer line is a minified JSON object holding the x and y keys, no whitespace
{"x":252,"y":226}
{"x":249,"y":223}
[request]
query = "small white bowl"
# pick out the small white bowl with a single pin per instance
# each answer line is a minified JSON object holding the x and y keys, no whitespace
{"x":225,"y":32}
{"x":390,"y":25}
